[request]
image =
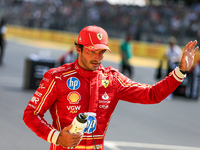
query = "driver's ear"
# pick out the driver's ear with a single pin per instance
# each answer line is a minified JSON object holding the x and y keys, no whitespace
{"x":78,"y":49}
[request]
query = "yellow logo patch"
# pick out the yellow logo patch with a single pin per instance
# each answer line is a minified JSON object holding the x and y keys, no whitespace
{"x":99,"y":36}
{"x":105,"y":83}
{"x":74,"y":97}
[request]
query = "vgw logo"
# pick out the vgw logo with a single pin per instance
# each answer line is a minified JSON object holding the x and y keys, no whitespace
{"x":91,"y":125}
{"x":73,"y":83}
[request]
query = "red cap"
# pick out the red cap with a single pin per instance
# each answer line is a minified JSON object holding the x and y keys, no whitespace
{"x":93,"y":38}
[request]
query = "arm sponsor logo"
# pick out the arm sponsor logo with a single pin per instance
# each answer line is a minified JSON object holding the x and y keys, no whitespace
{"x":34,"y":99}
{"x":45,"y":79}
{"x":38,"y":93}
{"x":41,"y":86}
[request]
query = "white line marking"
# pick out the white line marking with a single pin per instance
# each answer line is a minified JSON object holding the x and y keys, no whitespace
{"x":113,"y":145}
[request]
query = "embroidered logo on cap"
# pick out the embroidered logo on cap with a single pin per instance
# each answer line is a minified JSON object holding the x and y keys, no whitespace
{"x":99,"y":36}
{"x":90,"y":47}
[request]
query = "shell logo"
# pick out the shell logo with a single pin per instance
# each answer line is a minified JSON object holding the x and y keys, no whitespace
{"x":74,"y":97}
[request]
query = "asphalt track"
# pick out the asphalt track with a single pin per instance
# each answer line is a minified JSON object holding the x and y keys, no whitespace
{"x":171,"y":125}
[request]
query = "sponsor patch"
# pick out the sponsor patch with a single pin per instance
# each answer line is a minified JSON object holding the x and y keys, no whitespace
{"x":105,"y":83}
{"x":45,"y":79}
{"x":104,"y":101}
{"x":74,"y":97}
{"x":73,"y":109}
{"x":32,"y":106}
{"x":34,"y":99}
{"x":41,"y":86}
{"x":103,"y":106}
{"x":73,"y":83}
{"x":38,"y":93}
{"x":105,"y":96}
{"x":58,"y":77}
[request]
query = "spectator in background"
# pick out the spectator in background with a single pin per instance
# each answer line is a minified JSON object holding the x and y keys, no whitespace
{"x":169,"y":18}
{"x":173,"y":54}
{"x":67,"y":57}
{"x":126,"y":54}
{"x":3,"y":30}
{"x":175,"y":23}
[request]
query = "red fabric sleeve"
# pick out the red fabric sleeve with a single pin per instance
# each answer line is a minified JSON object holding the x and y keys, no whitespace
{"x":42,"y":100}
{"x":143,"y":93}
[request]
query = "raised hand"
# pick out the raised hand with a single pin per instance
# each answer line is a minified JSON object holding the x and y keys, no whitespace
{"x":188,"y":56}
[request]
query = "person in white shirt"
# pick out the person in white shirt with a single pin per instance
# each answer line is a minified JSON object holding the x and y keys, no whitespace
{"x":173,"y":54}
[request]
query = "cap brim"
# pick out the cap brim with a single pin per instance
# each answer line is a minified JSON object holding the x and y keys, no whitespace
{"x":96,"y":47}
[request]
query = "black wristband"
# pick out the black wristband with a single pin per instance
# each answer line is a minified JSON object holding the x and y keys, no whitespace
{"x":183,"y":72}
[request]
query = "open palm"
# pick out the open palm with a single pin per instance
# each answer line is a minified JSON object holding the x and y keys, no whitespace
{"x":188,"y":56}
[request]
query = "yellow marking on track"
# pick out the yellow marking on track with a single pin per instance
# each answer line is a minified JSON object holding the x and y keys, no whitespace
{"x":40,"y":43}
{"x":113,"y":57}
{"x":135,"y":60}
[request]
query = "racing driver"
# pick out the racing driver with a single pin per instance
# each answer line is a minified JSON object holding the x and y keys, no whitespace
{"x":85,"y":86}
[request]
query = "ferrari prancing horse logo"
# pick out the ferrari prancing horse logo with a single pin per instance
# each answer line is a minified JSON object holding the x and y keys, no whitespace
{"x":99,"y":36}
{"x":105,"y":83}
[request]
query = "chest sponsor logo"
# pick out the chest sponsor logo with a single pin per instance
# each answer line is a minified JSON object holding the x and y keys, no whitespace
{"x":91,"y":125}
{"x":105,"y":96}
{"x":74,"y":97}
{"x":73,"y":109}
{"x":73,"y":83}
{"x":106,"y":102}
{"x":105,"y":83}
{"x":103,"y":106}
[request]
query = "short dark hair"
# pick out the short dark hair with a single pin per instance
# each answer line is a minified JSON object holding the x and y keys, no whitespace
{"x":80,"y":46}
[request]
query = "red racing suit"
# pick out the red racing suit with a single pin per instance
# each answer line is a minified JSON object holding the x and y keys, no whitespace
{"x":68,"y":90}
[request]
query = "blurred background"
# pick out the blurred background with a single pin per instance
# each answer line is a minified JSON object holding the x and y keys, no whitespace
{"x":147,"y":20}
{"x":37,"y":34}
